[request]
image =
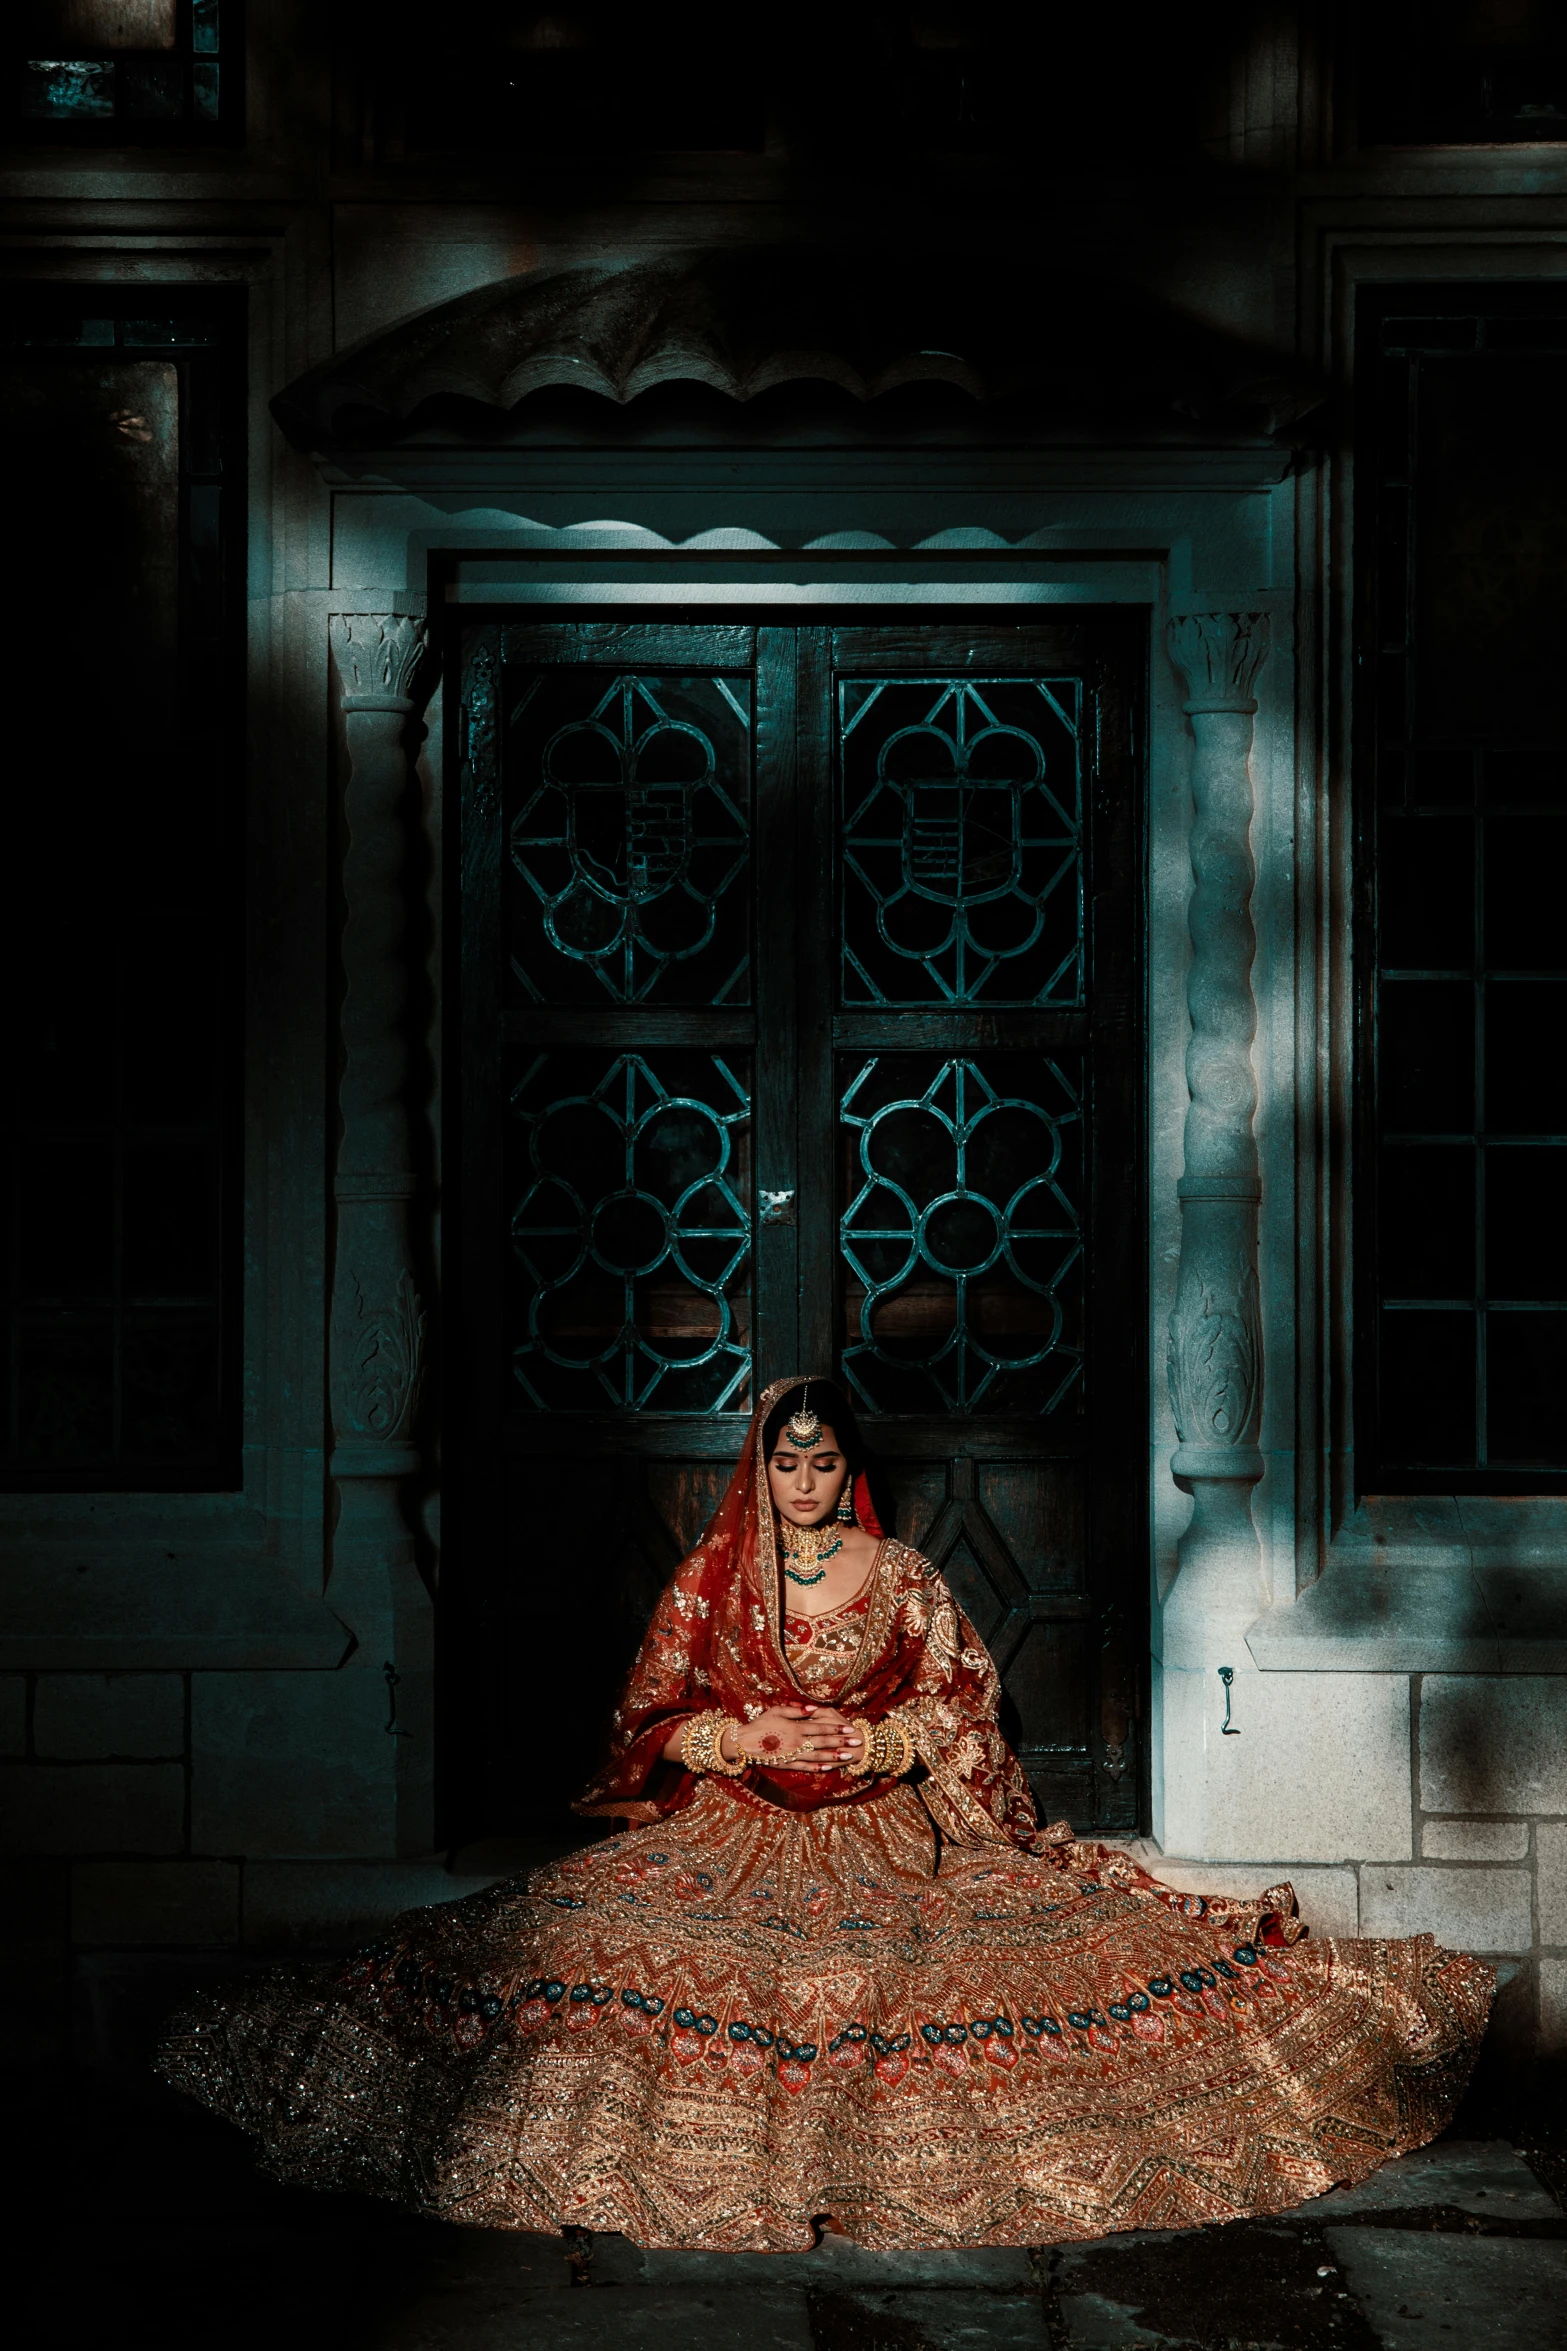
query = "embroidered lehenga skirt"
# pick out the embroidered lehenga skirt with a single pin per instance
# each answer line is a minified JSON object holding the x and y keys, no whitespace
{"x":717,"y":2028}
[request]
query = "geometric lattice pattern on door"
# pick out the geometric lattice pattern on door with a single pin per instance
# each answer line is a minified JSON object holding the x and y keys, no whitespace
{"x":628,"y":851}
{"x":961,"y":850}
{"x":961,"y":1231}
{"x":629,"y":1176}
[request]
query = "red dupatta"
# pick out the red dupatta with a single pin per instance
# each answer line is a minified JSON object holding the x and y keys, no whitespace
{"x":716,"y":1641}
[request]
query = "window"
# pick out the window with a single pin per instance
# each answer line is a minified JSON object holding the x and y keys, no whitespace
{"x":1461,"y":944}
{"x":596,"y":82}
{"x":126,"y":72}
{"x":1461,"y":72}
{"x":121,"y":889}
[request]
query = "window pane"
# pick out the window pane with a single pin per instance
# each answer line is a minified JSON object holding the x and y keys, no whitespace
{"x":168,"y":1221}
{"x":65,"y":1392}
{"x":171,"y":1384}
{"x":1426,"y":1049}
{"x":629,"y":1189}
{"x":1425,"y":908}
{"x":152,"y":89}
{"x":1427,"y":1389}
{"x":65,"y":1235}
{"x":67,"y":91}
{"x":628,"y":821}
{"x":962,"y":806}
{"x":1527,"y":1365}
{"x":1526,"y":1222}
{"x":1427,"y":1226}
{"x":1444,"y":775}
{"x":1525,"y":1060}
{"x":1532,"y":777}
{"x":1525,"y":859}
{"x":961,"y":1232}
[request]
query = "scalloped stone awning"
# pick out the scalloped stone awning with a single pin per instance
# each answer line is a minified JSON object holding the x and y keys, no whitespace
{"x":1083,"y":354}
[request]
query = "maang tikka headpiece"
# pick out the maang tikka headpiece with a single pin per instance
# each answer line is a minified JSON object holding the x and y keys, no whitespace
{"x":805,"y":1427}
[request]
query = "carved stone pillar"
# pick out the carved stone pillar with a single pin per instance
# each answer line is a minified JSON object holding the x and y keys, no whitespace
{"x":1215,"y":1350}
{"x":378,"y":1322}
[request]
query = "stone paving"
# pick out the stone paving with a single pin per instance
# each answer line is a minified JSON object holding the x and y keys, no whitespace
{"x":162,"y":2235}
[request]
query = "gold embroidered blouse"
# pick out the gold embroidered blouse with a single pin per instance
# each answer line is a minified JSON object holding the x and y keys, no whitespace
{"x":822,"y":1649}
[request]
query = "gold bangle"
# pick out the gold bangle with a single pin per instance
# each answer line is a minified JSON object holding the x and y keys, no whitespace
{"x":701,"y":1746}
{"x":891,"y":1748}
{"x":867,"y":1747}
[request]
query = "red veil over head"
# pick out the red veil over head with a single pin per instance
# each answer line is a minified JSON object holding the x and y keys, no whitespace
{"x":716,"y":1640}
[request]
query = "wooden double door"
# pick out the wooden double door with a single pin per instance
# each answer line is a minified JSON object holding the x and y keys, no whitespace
{"x":800,"y":1029}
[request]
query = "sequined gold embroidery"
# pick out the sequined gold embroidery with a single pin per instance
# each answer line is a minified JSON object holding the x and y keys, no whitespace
{"x":822,"y":1649}
{"x":709,"y":2029}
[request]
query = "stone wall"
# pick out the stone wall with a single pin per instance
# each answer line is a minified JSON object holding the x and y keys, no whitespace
{"x":144,"y":1815}
{"x":1482,"y":1861}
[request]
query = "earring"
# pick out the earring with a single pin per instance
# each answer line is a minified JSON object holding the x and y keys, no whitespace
{"x":845,"y":1511}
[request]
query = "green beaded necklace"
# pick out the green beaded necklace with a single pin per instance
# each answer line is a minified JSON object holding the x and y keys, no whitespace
{"x":810,"y":1544}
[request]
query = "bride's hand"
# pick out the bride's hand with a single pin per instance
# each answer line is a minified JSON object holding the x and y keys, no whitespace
{"x":832,"y":1735}
{"x":798,"y":1738}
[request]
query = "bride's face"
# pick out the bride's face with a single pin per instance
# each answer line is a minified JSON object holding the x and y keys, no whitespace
{"x":806,"y":1486}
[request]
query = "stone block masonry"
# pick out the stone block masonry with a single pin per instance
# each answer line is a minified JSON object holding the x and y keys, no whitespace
{"x":1475,"y":1840}
{"x":1319,"y":1770}
{"x":168,"y":1903}
{"x":1482,"y":1910}
{"x":104,"y":1714}
{"x":1493,"y":1744}
{"x":1550,"y":1879}
{"x":291,"y":1765}
{"x":1483,"y":1865}
{"x":92,"y":1808}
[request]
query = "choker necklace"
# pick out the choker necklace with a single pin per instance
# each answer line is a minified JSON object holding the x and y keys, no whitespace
{"x":812,"y":1546}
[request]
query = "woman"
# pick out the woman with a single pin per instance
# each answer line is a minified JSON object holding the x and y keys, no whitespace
{"x":835,"y":1972}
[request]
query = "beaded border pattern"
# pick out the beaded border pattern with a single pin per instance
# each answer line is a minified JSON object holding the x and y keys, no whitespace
{"x":470,"y":2012}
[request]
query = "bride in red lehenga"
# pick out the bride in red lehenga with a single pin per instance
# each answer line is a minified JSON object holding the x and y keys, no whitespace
{"x":835,"y":1970}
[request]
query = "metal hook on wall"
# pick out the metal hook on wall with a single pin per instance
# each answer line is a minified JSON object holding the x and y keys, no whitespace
{"x":392,"y":1677}
{"x":1228,"y":1729}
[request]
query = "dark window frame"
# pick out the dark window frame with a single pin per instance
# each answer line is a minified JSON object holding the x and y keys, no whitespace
{"x":1400,"y":87}
{"x":591,"y":105}
{"x":1450,"y":318}
{"x":200,"y":133}
{"x":202,"y":331}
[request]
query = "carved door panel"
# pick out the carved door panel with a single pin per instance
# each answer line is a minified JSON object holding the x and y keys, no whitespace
{"x":799,"y":1026}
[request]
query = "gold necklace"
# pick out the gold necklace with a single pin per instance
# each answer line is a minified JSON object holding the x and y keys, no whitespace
{"x":813,"y":1545}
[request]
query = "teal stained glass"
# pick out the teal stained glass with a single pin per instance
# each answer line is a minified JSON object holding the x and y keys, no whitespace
{"x":961,"y":856}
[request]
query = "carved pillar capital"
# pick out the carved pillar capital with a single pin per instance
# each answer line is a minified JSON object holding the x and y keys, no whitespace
{"x":379,"y":658}
{"x":1215,"y":1331}
{"x":1219,"y":655}
{"x":378,"y":1322}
